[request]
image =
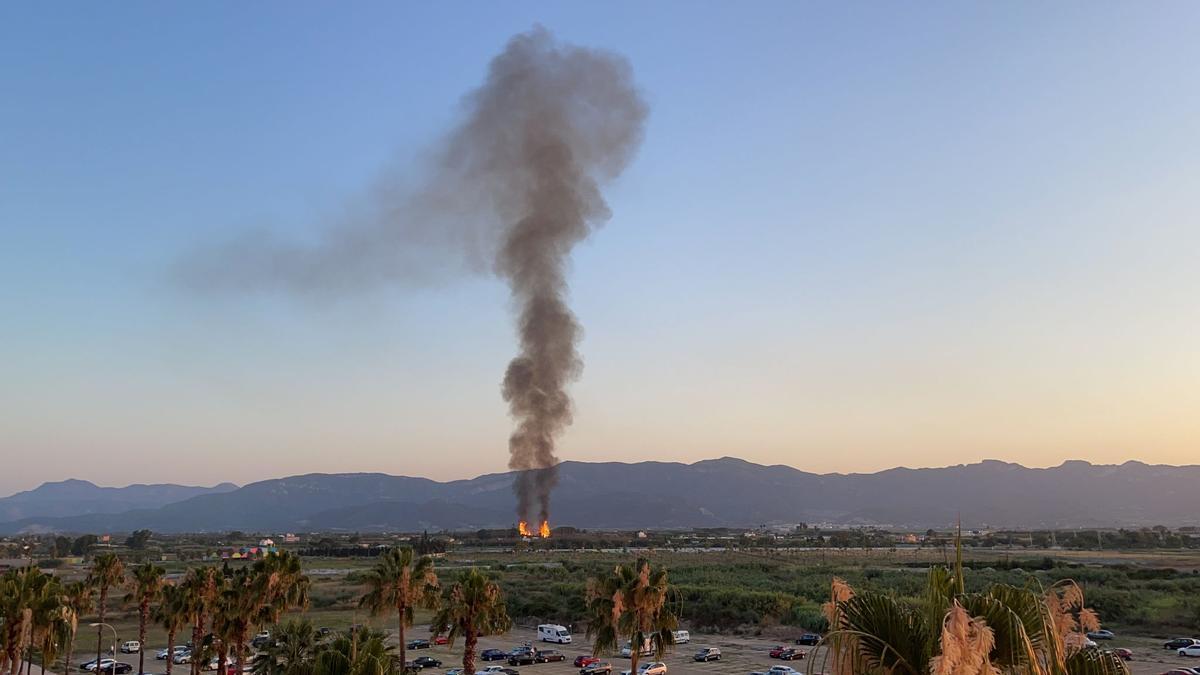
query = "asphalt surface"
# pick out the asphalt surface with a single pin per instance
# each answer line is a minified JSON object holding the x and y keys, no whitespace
{"x":739,"y":655}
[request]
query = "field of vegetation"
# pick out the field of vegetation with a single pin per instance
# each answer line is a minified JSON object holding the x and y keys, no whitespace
{"x":775,"y":592}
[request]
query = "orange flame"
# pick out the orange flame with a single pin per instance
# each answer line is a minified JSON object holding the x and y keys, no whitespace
{"x":544,"y":530}
{"x":523,"y":529}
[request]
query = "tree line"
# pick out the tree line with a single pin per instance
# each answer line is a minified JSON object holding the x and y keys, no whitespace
{"x":947,"y":631}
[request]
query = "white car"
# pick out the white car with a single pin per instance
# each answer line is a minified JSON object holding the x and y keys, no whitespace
{"x":652,"y":668}
{"x":182,"y":658}
{"x":1193,"y":651}
{"x":682,"y":637}
{"x":490,"y":670}
{"x":783,"y":670}
{"x":177,"y":649}
{"x":131,"y":647}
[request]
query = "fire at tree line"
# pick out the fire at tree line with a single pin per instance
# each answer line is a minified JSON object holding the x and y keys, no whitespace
{"x":191,"y":589}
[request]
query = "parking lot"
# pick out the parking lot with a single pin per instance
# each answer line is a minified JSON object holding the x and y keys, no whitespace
{"x":743,"y":655}
{"x":739,"y":655}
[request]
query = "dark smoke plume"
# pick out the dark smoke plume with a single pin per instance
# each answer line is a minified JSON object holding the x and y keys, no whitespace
{"x":516,"y":186}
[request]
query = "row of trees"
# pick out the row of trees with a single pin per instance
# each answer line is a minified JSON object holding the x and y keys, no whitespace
{"x":1004,"y":629}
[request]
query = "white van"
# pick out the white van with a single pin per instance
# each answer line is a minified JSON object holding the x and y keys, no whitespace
{"x":682,"y":637}
{"x":131,"y":647}
{"x":552,"y":632}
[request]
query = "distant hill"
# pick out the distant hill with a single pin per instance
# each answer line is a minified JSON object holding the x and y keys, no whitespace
{"x":720,"y":492}
{"x":80,"y":497}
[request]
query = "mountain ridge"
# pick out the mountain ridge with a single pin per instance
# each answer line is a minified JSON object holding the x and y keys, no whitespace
{"x":726,"y":491}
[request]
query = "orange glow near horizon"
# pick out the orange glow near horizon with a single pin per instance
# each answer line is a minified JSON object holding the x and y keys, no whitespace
{"x":544,"y":530}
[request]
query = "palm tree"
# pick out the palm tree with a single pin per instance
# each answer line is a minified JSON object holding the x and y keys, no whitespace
{"x":238,"y":608}
{"x":293,"y":649}
{"x":49,"y":620}
{"x":400,"y":583}
{"x":280,"y":585}
{"x":77,"y":599}
{"x":147,"y":583}
{"x":634,"y":603}
{"x":173,"y":615}
{"x":199,"y":592}
{"x":1005,"y":629}
{"x":365,"y":652}
{"x":474,"y":607}
{"x":107,"y":571}
{"x":19,"y":592}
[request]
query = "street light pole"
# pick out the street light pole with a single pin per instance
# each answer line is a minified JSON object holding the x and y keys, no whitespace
{"x":114,"y":646}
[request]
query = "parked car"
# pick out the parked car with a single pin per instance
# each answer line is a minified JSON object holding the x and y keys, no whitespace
{"x":1123,"y":653}
{"x":418,"y":644}
{"x":596,"y":667}
{"x":1101,"y":635}
{"x":682,"y":637}
{"x":793,"y":655}
{"x":522,"y":657}
{"x":493,"y":655}
{"x":808,"y":639}
{"x":1180,"y":643}
{"x":1190,"y":650}
{"x":182,"y":658}
{"x":782,"y":670}
{"x":497,"y":670}
{"x":177,"y":649}
{"x":650,"y":668}
{"x":584,"y":660}
{"x":441,"y":640}
{"x":131,"y":647}
{"x":426,"y":662}
{"x":777,"y":650}
{"x":548,"y":655}
{"x":455,"y":671}
{"x":707,"y":654}
{"x":107,"y":666}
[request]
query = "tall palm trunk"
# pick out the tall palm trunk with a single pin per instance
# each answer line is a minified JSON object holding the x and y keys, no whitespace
{"x":241,"y":653}
{"x":142,"y":619}
{"x":70,"y":650}
{"x":403,"y":644}
{"x":100,"y":627}
{"x":170,"y":650}
{"x":469,"y":646}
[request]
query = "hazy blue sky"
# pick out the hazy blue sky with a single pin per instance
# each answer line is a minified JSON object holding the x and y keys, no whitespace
{"x":858,"y":235}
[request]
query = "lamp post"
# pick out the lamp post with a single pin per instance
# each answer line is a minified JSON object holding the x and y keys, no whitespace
{"x":114,"y":645}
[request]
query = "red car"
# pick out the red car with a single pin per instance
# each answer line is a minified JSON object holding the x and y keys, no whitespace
{"x":440,"y":640}
{"x":777,"y":651}
{"x":1125,"y":654}
{"x":583,"y":661}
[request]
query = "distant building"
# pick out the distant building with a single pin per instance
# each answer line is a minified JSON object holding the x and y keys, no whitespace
{"x":290,"y":538}
{"x":266,"y":542}
{"x":246,"y":552}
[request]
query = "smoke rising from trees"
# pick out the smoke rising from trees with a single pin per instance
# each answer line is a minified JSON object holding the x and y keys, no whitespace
{"x":511,"y":190}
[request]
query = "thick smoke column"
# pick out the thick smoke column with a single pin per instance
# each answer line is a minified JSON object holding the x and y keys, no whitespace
{"x":551,"y":122}
{"x":515,"y":187}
